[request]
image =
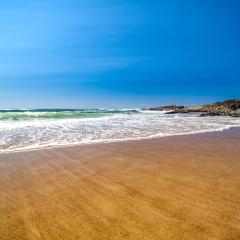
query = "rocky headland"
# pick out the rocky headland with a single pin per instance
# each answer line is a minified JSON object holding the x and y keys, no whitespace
{"x":225,"y":108}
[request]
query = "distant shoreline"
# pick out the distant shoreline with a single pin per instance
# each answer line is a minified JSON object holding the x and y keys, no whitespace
{"x":225,"y":108}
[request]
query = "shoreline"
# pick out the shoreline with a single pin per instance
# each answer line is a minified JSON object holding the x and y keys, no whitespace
{"x":171,"y":188}
{"x":22,"y":150}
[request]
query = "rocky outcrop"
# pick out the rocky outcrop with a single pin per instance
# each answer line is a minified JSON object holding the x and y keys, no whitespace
{"x":167,"y":108}
{"x":226,"y":108}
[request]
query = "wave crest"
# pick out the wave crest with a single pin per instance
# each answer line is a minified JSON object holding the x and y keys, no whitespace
{"x":61,"y":113}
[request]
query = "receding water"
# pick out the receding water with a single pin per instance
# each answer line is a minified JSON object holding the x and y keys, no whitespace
{"x":30,"y":129}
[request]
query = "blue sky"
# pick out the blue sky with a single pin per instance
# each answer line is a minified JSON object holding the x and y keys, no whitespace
{"x":118,"y":53}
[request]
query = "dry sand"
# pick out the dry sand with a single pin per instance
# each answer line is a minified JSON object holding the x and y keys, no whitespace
{"x":185,"y":187}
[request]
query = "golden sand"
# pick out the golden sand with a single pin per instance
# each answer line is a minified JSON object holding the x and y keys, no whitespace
{"x":185,"y":187}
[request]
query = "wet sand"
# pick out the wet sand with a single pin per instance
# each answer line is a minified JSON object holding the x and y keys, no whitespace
{"x":182,"y":187}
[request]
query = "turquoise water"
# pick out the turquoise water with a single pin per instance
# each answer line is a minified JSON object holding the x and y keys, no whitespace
{"x":62,"y":113}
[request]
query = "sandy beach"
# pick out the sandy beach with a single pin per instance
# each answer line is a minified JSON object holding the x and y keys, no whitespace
{"x":181,"y":187}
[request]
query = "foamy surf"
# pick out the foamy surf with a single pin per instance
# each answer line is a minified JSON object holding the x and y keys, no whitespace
{"x":33,"y":129}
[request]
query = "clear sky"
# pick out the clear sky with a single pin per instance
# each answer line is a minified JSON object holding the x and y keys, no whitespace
{"x":118,"y":53}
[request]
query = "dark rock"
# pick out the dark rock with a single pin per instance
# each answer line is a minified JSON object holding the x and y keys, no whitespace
{"x":167,"y":108}
{"x":226,"y":108}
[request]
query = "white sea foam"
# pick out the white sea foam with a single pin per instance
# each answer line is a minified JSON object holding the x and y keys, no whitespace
{"x":16,"y":135}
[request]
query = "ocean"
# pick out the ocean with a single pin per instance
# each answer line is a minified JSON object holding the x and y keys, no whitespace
{"x":23,"y":129}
